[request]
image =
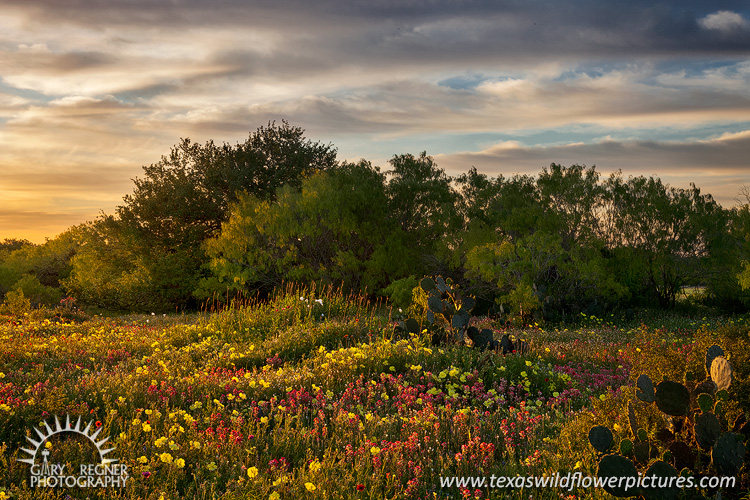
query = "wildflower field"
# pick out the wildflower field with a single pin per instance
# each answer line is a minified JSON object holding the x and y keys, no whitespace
{"x":315,"y":395}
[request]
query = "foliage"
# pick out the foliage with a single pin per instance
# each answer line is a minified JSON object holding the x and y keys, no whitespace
{"x":421,"y":201}
{"x":667,"y":231}
{"x":15,"y":303}
{"x":336,"y":230}
{"x":39,"y":269}
{"x":150,"y":255}
{"x":400,"y":292}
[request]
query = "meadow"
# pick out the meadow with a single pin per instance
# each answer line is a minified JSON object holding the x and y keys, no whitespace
{"x":313,"y":394}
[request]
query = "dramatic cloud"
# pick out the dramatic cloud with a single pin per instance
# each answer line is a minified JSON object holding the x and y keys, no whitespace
{"x":92,"y":90}
{"x":724,"y":20}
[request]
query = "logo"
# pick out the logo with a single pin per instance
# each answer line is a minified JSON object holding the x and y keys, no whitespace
{"x":105,"y":473}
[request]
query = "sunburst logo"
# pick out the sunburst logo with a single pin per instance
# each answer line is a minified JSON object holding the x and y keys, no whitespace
{"x":106,"y":472}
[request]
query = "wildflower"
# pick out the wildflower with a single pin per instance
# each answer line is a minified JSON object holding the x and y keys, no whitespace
{"x":252,"y":472}
{"x":263,"y":420}
{"x":211,"y":466}
{"x":314,"y":466}
{"x":374,"y":450}
{"x":274,"y":496}
{"x":166,"y":458}
{"x":146,"y":428}
{"x":180,"y":463}
{"x":310,"y":487}
{"x":98,"y":423}
{"x":142,"y":460}
{"x":146,"y":474}
{"x":361,"y":487}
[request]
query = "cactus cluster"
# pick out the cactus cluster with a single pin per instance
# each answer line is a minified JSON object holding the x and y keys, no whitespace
{"x":693,"y":443}
{"x":446,"y":318}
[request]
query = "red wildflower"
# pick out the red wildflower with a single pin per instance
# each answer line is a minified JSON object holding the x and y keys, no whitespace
{"x":360,"y":487}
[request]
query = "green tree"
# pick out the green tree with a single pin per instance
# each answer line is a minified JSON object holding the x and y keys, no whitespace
{"x":39,"y":269}
{"x":541,"y":249}
{"x":573,"y":199}
{"x":659,"y":233}
{"x":423,"y":203}
{"x":106,"y":272}
{"x":155,"y":239}
{"x":336,"y":229}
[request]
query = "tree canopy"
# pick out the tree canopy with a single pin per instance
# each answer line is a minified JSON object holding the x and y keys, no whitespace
{"x":208,"y":218}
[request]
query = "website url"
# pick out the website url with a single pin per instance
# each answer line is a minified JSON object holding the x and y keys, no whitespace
{"x":578,"y":480}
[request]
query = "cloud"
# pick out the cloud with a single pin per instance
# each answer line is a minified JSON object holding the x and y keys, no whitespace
{"x":725,"y":21}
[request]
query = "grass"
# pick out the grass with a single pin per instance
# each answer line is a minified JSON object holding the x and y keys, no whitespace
{"x":311,"y":395}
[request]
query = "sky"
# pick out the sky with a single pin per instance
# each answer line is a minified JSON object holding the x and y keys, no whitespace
{"x":93,"y":90}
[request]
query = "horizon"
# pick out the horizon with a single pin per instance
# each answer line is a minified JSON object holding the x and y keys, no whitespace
{"x":93,"y":91}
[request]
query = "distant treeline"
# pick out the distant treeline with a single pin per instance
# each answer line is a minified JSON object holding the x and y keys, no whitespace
{"x":214,"y":220}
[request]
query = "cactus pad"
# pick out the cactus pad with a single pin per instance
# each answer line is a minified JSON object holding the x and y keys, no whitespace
{"x":617,"y":466}
{"x":600,"y":438}
{"x":626,"y":447}
{"x":660,"y":469}
{"x":645,"y":390}
{"x":728,"y":453}
{"x":427,"y":284}
{"x":642,"y":435}
{"x":672,"y":398}
{"x":721,"y":372}
{"x":707,"y":429}
{"x":435,"y":303}
{"x":705,"y":402}
{"x":631,"y":418}
{"x":483,"y":340}
{"x":713,"y":352}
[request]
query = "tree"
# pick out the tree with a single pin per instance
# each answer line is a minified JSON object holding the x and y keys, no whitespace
{"x":184,"y":198}
{"x":660,"y":233}
{"x":181,"y":201}
{"x":423,"y":203}
{"x":38,"y":270}
{"x":572,"y":198}
{"x":336,"y":229}
{"x":107,"y":273}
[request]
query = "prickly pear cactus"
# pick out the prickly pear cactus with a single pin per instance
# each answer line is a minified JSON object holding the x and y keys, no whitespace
{"x":645,"y":389}
{"x":721,"y":372}
{"x":600,"y":438}
{"x":446,"y":315}
{"x":672,"y":398}
{"x":713,"y":352}
{"x":617,"y":466}
{"x":728,"y":454}
{"x":694,"y":441}
{"x":707,"y":429}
